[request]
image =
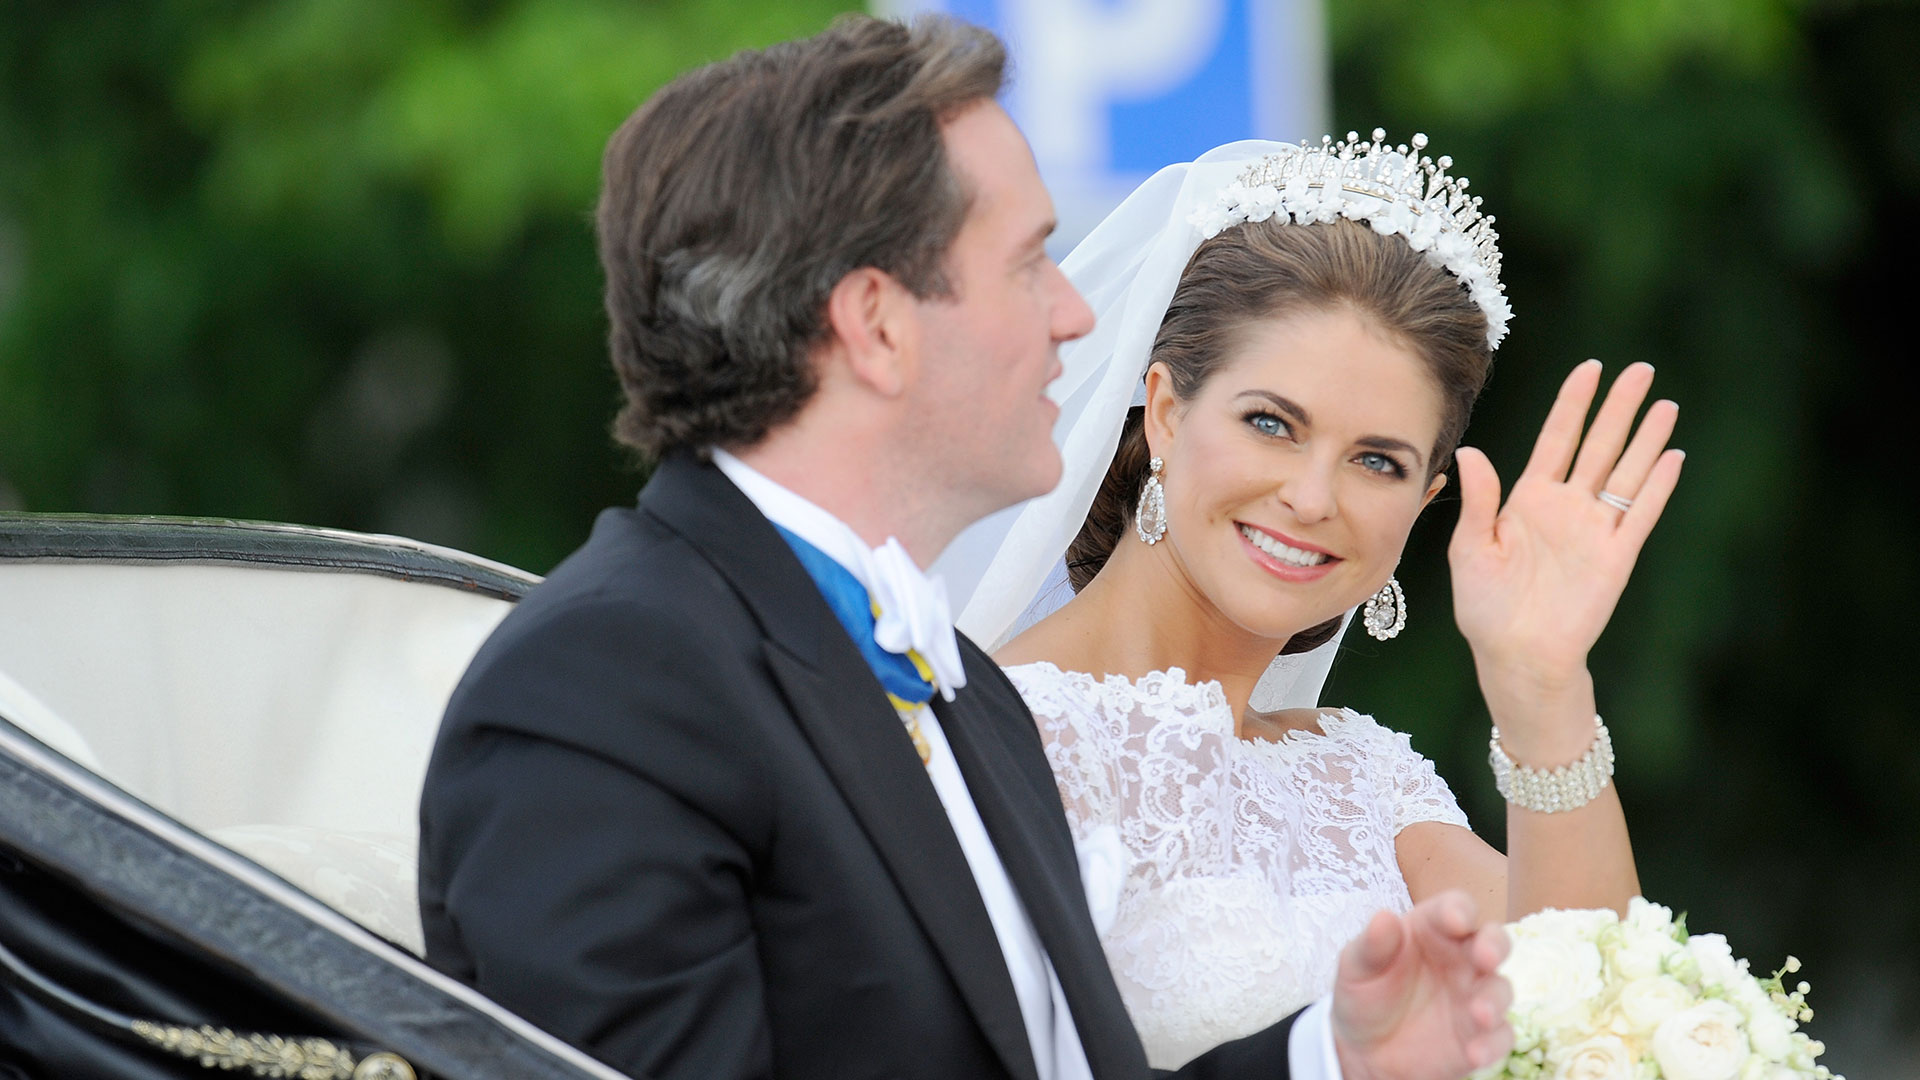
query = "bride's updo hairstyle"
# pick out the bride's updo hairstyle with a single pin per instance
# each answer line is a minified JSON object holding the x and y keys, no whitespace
{"x":1270,"y":269}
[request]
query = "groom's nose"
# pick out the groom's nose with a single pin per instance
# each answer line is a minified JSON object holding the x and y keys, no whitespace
{"x":1072,"y":318}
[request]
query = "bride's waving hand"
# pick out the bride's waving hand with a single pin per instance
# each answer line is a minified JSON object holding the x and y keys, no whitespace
{"x":1535,"y":581}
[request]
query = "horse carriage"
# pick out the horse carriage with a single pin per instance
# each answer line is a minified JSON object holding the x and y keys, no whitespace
{"x":213,"y":736}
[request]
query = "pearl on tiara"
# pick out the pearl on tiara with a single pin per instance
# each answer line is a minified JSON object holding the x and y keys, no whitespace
{"x":1396,"y":190}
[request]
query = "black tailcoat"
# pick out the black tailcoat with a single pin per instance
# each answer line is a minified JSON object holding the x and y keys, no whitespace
{"x":672,"y":818}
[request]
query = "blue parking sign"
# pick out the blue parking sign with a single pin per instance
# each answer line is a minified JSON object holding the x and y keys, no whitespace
{"x":1110,"y":90}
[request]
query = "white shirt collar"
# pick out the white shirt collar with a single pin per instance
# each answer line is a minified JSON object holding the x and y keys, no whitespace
{"x":796,"y":514}
{"x":914,"y":614}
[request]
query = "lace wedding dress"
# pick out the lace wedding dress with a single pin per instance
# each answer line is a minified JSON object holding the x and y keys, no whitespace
{"x":1252,"y":862}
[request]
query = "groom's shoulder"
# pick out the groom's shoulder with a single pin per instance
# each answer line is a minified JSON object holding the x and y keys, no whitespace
{"x":636,"y":596}
{"x":631,"y":562}
{"x":629,"y":553}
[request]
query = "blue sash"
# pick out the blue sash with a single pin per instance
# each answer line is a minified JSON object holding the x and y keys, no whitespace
{"x":906,"y":678}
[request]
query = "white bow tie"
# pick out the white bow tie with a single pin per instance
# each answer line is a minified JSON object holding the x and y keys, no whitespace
{"x":914,"y":614}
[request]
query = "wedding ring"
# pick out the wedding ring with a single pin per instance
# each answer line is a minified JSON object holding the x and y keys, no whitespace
{"x":1618,"y":502}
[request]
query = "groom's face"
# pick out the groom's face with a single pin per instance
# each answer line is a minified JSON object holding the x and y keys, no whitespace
{"x":991,"y":347}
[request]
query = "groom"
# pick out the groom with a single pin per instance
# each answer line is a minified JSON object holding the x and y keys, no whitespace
{"x":726,"y":798}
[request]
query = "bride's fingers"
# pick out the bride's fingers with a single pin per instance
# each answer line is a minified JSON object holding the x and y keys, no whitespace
{"x":1638,"y":522}
{"x":1560,"y":435}
{"x":1637,"y":463}
{"x":1479,"y":498}
{"x":1608,"y":434}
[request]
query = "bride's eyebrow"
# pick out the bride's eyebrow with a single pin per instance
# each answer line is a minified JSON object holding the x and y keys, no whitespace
{"x":1284,"y":405}
{"x":1382,"y":442}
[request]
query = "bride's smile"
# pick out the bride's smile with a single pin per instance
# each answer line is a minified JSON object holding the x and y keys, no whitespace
{"x":1295,"y":472}
{"x":1285,"y":556}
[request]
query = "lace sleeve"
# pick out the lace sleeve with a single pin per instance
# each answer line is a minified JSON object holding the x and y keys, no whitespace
{"x":1411,"y":786}
{"x":1419,"y":793}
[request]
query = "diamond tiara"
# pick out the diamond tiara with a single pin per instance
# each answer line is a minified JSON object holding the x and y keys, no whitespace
{"x":1396,"y":190}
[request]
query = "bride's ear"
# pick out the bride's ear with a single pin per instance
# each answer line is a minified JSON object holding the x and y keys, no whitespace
{"x":1162,"y":414}
{"x":1433,"y":488}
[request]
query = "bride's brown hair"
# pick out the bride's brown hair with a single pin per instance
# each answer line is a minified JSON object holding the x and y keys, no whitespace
{"x":1265,"y":270}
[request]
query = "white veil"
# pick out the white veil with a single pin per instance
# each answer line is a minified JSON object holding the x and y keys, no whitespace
{"x":1008,"y":570}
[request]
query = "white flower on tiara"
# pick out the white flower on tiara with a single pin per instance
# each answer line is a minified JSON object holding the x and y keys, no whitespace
{"x":1395,"y":190}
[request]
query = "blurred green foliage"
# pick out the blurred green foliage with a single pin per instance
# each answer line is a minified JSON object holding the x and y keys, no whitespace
{"x":324,"y":260}
{"x":330,"y":261}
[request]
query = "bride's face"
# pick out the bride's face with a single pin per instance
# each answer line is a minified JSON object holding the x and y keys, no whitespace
{"x":1294,"y":475}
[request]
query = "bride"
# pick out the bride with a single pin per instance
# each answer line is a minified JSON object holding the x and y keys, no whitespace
{"x":1305,"y":330}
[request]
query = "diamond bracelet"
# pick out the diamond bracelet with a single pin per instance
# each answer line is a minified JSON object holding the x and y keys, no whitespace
{"x":1551,"y":791}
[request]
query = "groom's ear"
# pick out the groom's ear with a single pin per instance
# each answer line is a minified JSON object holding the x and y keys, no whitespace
{"x":874,"y":330}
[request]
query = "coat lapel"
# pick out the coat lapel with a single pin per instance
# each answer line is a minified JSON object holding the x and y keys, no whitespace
{"x":844,"y":714}
{"x":1020,"y":806}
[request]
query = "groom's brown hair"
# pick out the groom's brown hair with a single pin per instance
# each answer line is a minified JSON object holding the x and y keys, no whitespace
{"x":738,"y":196}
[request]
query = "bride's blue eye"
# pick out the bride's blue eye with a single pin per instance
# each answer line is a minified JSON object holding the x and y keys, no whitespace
{"x":1268,"y":424}
{"x":1377,"y":462}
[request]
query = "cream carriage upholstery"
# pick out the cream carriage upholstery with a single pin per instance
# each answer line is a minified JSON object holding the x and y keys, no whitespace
{"x":283,"y":705}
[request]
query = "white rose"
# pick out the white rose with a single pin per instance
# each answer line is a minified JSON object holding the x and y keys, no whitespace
{"x":1770,"y":1032}
{"x":1646,"y":1003}
{"x":1648,"y":917}
{"x":1702,"y":1043}
{"x":1583,"y":923}
{"x":1715,"y":957}
{"x":1554,"y":979}
{"x":1639,"y":949}
{"x":1603,"y":1057}
{"x":1642,"y":955}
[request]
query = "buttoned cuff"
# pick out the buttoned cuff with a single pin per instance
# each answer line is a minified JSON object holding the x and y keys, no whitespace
{"x":1310,"y":1052}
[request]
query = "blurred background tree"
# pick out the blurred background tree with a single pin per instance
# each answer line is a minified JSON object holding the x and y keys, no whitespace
{"x":330,"y":261}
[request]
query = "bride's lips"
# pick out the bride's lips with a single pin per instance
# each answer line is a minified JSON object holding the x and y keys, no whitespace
{"x":1285,"y":571}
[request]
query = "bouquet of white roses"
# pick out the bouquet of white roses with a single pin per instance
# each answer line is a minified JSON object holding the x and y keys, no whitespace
{"x":1598,"y":997}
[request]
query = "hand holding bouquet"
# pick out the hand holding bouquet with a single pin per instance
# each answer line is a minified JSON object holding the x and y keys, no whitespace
{"x":1598,"y":997}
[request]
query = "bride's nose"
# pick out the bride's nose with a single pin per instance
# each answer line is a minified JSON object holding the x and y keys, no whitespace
{"x":1309,"y":493}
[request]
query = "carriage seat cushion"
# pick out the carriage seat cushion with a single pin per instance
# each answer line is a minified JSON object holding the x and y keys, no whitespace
{"x":287,"y":714}
{"x":369,"y":877}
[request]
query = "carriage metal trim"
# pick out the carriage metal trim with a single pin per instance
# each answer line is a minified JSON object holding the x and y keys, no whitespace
{"x":114,"y":539}
{"x":277,"y":1056}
